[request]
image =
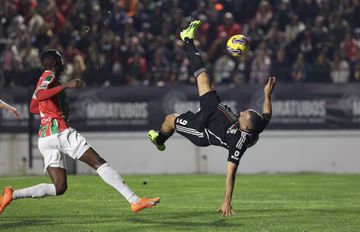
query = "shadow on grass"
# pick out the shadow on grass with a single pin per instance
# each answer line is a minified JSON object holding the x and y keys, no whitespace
{"x":176,"y":221}
{"x":133,"y":222}
{"x":22,"y":223}
{"x":185,"y":220}
{"x":295,"y":210}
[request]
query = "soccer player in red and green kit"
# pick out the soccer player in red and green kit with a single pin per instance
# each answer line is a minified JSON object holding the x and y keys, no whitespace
{"x":57,"y":138}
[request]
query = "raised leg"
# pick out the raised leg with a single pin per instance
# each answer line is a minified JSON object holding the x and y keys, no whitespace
{"x":203,"y":83}
{"x":197,"y":64}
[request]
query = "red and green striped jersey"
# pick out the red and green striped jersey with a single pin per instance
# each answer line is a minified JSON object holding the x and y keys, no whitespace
{"x":53,"y":110}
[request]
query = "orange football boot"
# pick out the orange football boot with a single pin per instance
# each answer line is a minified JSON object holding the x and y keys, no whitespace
{"x":144,"y":203}
{"x":6,"y":198}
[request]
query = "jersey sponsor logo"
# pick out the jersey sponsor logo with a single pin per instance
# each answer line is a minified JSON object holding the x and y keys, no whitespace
{"x":45,"y":83}
{"x":236,"y":155}
{"x":232,"y":130}
{"x":45,"y":120}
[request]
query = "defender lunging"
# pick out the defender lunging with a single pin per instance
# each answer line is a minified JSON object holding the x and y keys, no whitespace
{"x":56,"y":138}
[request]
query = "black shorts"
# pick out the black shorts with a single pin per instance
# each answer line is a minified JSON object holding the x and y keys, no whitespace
{"x":192,"y":125}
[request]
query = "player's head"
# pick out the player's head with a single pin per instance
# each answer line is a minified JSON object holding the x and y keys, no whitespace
{"x":52,"y":60}
{"x":251,"y":121}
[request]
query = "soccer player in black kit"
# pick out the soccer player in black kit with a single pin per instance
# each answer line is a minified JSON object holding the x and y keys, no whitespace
{"x":215,"y":123}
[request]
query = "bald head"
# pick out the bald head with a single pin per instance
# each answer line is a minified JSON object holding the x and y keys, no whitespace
{"x":251,"y":122}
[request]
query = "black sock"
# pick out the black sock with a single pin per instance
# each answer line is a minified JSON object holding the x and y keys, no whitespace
{"x":163,"y":136}
{"x":196,"y":62}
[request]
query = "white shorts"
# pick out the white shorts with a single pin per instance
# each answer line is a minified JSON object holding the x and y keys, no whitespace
{"x":54,"y":147}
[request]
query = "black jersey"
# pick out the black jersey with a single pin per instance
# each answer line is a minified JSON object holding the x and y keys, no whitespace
{"x":223,"y":130}
{"x":215,"y":124}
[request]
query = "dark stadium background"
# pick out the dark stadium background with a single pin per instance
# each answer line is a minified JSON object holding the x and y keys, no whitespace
{"x":302,"y":175}
{"x":122,"y":43}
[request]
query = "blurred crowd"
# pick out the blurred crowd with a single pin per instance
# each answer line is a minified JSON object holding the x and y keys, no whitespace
{"x":136,"y":42}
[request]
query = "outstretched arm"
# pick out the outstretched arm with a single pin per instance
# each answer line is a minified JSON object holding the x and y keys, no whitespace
{"x":44,"y":94}
{"x":225,"y":208}
{"x":10,"y":108}
{"x":267,"y":109}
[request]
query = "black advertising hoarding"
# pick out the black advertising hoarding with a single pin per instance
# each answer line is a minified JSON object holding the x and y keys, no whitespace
{"x":295,"y":106}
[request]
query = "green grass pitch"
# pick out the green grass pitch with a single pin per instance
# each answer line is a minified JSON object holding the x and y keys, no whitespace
{"x":298,"y":202}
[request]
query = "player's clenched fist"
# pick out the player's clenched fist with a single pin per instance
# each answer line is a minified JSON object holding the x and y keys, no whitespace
{"x":10,"y":108}
{"x":74,"y":84}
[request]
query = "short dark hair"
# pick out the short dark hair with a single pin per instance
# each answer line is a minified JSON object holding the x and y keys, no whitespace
{"x":256,"y":122}
{"x":50,"y":58}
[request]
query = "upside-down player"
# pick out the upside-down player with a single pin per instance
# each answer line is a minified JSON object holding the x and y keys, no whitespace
{"x":215,"y":124}
{"x":56,"y":138}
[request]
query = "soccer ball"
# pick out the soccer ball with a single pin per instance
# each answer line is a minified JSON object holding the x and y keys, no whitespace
{"x":237,"y":45}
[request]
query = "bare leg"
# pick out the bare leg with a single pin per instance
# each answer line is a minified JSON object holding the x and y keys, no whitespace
{"x":59,"y":178}
{"x":92,"y":158}
{"x":203,"y":83}
{"x":168,"y":125}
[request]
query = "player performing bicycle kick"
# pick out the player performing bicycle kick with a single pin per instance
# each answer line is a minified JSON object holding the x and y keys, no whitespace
{"x":215,"y":124}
